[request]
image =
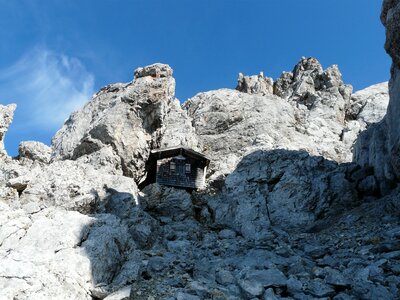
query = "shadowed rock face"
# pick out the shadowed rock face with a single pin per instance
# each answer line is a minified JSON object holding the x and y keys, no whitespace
{"x":380,"y":146}
{"x":390,"y":18}
{"x":280,"y":188}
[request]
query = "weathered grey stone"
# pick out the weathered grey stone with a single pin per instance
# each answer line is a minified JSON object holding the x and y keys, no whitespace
{"x":275,"y":187}
{"x":155,"y":70}
{"x":256,"y":84}
{"x":294,"y":285}
{"x":282,"y":86}
{"x":369,"y":185}
{"x":369,"y":105}
{"x":186,"y":296}
{"x":121,"y":294}
{"x":224,"y":277}
{"x":127,"y":117}
{"x":343,"y":296}
{"x":46,"y":247}
{"x":167,"y":201}
{"x":390,"y":17}
{"x":130,"y":269}
{"x":268,"y":278}
{"x":74,"y":186}
{"x":318,"y":288}
{"x":370,"y":291}
{"x":35,"y":151}
{"x":379,"y":145}
{"x":142,"y":227}
{"x":6,"y":117}
{"x":227,"y":234}
{"x":270,"y":295}
{"x":177,"y":129}
{"x":250,"y":289}
{"x":335,"y":277}
{"x":315,"y":251}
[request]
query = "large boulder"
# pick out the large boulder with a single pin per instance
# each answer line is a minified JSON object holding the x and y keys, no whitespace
{"x":35,"y":151}
{"x":6,"y":116}
{"x":58,"y":254}
{"x":71,"y":185}
{"x":366,"y":107}
{"x":369,"y":105}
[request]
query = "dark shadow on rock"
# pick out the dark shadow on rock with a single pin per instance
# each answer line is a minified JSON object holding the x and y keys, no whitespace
{"x":371,"y":149}
{"x":285,"y":189}
{"x":108,"y":243}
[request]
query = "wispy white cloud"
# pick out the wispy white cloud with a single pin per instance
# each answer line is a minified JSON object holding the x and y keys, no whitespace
{"x":46,"y":86}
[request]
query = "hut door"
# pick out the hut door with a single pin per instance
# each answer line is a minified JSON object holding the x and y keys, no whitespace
{"x":180,"y":168}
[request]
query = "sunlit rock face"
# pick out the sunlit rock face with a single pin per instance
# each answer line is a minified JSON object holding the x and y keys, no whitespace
{"x":309,"y":109}
{"x":6,"y":117}
{"x":127,"y":117}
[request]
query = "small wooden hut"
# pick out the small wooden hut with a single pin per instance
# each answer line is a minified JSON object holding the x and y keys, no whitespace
{"x":178,"y":167}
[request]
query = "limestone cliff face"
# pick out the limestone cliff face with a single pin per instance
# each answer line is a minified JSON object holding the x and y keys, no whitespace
{"x":125,"y":117}
{"x":309,"y":109}
{"x":6,"y":116}
{"x":379,"y":146}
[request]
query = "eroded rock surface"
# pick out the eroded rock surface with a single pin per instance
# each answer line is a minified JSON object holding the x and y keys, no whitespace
{"x":127,"y":117}
{"x":311,"y":109}
{"x":379,"y":146}
{"x":6,"y":116}
{"x":255,"y":84}
{"x":35,"y":151}
{"x":280,"y":188}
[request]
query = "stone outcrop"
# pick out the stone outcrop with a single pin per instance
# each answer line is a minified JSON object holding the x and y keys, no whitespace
{"x":6,"y":116}
{"x":127,"y":117}
{"x":255,"y":84}
{"x":177,"y":129}
{"x":379,"y":146}
{"x":73,"y":186}
{"x":57,"y":254}
{"x":310,"y":109}
{"x":35,"y":151}
{"x":369,"y":105}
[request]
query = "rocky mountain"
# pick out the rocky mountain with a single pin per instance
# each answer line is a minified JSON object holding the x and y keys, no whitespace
{"x":301,"y":200}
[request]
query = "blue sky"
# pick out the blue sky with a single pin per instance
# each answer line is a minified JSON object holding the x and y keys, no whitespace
{"x":55,"y":54}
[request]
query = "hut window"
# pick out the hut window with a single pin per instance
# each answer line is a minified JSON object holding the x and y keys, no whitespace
{"x":172,"y":167}
{"x":187,"y":168}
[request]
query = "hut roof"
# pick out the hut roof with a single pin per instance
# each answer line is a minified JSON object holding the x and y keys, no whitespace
{"x":174,"y":151}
